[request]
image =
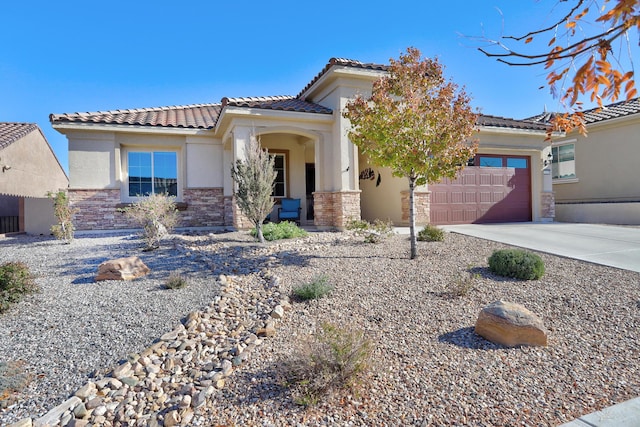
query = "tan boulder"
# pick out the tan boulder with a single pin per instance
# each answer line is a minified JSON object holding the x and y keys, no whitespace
{"x":122,"y":269}
{"x":510,"y":324}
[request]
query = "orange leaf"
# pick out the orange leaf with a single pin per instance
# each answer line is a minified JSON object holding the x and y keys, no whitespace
{"x":552,"y":41}
{"x":528,"y":40}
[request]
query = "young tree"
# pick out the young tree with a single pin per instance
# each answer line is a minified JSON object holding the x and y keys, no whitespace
{"x":64,"y":230}
{"x":416,"y":123}
{"x":254,"y":179}
{"x":587,"y":45}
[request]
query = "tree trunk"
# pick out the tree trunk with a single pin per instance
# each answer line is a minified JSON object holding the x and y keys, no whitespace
{"x":412,"y":218}
{"x":259,"y":232}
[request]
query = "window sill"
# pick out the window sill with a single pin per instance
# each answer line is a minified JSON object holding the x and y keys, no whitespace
{"x":565,"y":181}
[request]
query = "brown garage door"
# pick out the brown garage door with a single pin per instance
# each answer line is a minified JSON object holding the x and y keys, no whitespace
{"x":495,"y":189}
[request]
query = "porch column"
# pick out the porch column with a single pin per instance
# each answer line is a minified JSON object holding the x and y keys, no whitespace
{"x":334,"y":209}
{"x":547,"y":196}
{"x":239,"y":141}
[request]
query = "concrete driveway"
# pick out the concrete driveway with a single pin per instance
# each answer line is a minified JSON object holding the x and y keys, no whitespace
{"x":615,"y":246}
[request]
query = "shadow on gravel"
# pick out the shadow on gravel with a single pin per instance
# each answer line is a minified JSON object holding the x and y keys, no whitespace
{"x":467,"y":338}
{"x":261,"y":386}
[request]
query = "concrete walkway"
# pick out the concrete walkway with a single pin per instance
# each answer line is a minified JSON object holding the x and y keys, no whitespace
{"x":615,"y":246}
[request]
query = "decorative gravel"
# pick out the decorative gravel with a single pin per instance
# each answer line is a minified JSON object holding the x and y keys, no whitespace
{"x":428,"y":366}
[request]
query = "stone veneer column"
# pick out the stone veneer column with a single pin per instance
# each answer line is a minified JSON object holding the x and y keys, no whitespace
{"x":205,"y":208}
{"x":335,"y":209}
{"x":422,"y":212}
{"x":547,"y":206}
{"x":97,"y":210}
{"x":233,"y":216}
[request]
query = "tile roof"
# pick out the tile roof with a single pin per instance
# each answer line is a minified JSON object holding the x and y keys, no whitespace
{"x":612,"y":111}
{"x":283,"y":103}
{"x":196,"y":116}
{"x":594,"y":115}
{"x":11,"y":132}
{"x":504,"y":122}
{"x":346,"y":63}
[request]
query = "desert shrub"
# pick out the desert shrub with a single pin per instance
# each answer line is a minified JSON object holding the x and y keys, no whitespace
{"x":315,"y":289}
{"x":281,"y":230}
{"x":516,"y":263}
{"x":462,"y":284}
{"x":175,"y":281}
{"x":334,"y":359}
{"x":64,"y":229}
{"x":15,"y":282}
{"x":374,"y":232}
{"x":157,"y":214}
{"x":431,"y":233}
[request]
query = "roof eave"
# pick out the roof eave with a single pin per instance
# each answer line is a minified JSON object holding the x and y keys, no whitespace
{"x":109,"y":127}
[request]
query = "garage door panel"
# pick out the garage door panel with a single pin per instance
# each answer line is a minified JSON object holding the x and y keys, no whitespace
{"x":484,"y":194}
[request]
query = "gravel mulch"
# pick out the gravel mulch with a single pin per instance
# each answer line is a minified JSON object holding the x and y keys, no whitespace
{"x":428,"y":367}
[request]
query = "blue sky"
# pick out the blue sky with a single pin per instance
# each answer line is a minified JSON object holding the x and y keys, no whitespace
{"x":79,"y":56}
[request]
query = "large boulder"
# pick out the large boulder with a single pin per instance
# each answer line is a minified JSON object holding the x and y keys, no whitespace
{"x":510,"y":324}
{"x":122,"y":269}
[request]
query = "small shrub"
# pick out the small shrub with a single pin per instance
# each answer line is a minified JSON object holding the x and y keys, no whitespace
{"x":281,"y":230}
{"x":333,"y":360}
{"x":157,"y":214}
{"x":175,"y":281}
{"x":375,"y":232}
{"x":64,"y":229}
{"x":318,"y":288}
{"x":462,"y":285}
{"x":516,"y":263}
{"x":15,"y":282}
{"x":431,"y":233}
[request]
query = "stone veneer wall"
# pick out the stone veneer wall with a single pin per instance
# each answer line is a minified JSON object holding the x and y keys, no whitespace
{"x":422,"y":200}
{"x":205,"y":207}
{"x":233,"y":216}
{"x":547,"y":205}
{"x":335,"y":209}
{"x":98,"y":209}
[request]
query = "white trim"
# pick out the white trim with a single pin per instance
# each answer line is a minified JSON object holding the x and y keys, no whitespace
{"x":564,"y":180}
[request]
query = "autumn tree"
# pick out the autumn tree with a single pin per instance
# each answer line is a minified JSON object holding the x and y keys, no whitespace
{"x":587,"y":46}
{"x":416,"y":123}
{"x":254,"y":177}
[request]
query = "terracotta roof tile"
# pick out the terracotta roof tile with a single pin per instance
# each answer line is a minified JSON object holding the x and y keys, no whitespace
{"x":504,"y":122}
{"x":283,"y":103}
{"x":196,"y":116}
{"x":346,"y":63}
{"x":11,"y":132}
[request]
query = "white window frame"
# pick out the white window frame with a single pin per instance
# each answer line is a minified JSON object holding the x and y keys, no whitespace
{"x":557,"y":145}
{"x":125,"y":197}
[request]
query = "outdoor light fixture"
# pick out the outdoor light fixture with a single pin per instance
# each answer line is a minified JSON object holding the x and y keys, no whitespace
{"x":548,"y":160}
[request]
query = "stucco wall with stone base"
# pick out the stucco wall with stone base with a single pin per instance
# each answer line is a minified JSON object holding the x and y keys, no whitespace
{"x":335,"y":209}
{"x":422,"y":212}
{"x":205,"y":208}
{"x":233,"y":216}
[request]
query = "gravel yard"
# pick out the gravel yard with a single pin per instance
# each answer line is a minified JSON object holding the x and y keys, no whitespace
{"x":428,"y":367}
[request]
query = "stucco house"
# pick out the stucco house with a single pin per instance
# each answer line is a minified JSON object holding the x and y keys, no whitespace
{"x":28,"y":170}
{"x":595,"y":177}
{"x":188,"y":151}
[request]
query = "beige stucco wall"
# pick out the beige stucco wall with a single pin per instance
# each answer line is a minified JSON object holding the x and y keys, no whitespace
{"x":38,"y":216}
{"x":606,"y":164}
{"x":34,"y":169}
{"x":98,"y":160}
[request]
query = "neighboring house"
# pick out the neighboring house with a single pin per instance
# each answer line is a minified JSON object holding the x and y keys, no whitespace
{"x":188,"y":152}
{"x":595,"y":177}
{"x":28,"y":170}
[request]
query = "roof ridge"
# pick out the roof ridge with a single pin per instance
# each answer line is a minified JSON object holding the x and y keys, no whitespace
{"x":137,"y":110}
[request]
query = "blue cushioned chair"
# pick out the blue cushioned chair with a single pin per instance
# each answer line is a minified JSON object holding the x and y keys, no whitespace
{"x":289,"y":210}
